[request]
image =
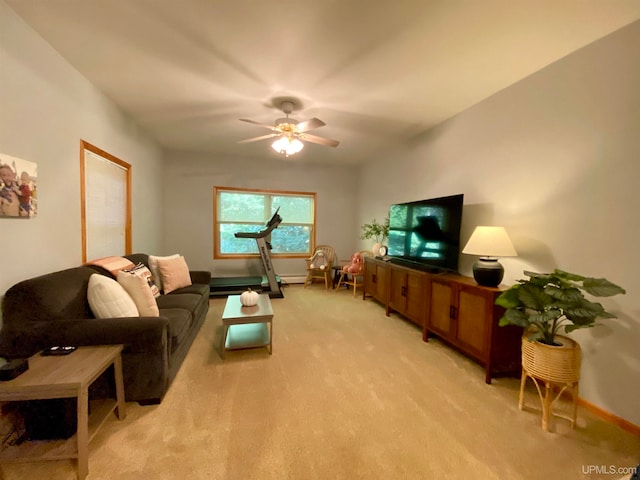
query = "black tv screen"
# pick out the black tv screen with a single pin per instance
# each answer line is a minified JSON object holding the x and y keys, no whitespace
{"x":426,"y":234}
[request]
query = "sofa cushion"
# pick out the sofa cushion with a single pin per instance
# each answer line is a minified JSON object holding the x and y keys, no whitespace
{"x":108,"y":299}
{"x":180,"y":321}
{"x":140,"y":291}
{"x":185,"y":301}
{"x":174,"y":273}
{"x":155,"y":269}
{"x":197,"y":288}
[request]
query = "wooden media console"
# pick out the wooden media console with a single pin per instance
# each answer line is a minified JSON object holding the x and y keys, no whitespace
{"x":452,"y":307}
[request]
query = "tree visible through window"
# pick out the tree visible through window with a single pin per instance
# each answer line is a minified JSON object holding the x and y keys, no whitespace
{"x":243,"y":210}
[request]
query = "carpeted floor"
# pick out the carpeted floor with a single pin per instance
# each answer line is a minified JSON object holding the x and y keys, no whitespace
{"x":347,"y":394}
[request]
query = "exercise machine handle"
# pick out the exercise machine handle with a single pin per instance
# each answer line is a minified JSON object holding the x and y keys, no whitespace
{"x":271,"y":225}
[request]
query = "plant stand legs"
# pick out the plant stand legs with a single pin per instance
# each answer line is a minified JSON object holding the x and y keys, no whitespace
{"x":548,"y":399}
{"x":547,"y":405}
{"x":523,"y":380}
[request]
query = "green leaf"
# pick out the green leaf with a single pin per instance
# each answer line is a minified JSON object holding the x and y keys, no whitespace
{"x":544,"y":317}
{"x":533,"y":297}
{"x":555,"y":301}
{"x":515,"y":317}
{"x":540,"y":279}
{"x":601,"y":287}
{"x":535,"y":275}
{"x":571,"y":277}
{"x":537,"y":335}
{"x":567,"y":295}
{"x":586,"y":313}
{"x":571,"y":328}
{"x":509,"y":298}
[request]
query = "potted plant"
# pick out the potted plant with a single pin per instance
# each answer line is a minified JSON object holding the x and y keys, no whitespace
{"x":544,"y":305}
{"x":547,"y":303}
{"x":376,"y":231}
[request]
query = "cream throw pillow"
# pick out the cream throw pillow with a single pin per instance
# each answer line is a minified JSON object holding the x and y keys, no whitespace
{"x":108,"y":299}
{"x":174,"y":273}
{"x":155,"y":270}
{"x":140,"y":291}
{"x":141,"y":270}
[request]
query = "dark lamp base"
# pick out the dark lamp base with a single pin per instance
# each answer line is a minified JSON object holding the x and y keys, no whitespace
{"x":488,"y":272}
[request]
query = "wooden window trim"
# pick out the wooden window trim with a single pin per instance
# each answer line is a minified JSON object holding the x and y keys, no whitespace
{"x":84,"y":145}
{"x":216,"y":233}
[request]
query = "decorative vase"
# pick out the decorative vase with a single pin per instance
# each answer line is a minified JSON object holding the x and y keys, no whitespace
{"x":376,"y":248}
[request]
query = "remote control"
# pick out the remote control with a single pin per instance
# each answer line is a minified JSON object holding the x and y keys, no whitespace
{"x":58,"y":350}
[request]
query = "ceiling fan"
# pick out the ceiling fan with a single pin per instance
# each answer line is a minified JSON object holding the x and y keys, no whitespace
{"x":290,"y":132}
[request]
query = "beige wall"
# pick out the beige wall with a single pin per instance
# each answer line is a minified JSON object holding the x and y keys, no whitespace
{"x":46,"y":108}
{"x":554,"y":159}
{"x":189,"y":181}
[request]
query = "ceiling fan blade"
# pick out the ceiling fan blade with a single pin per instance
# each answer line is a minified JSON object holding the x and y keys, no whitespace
{"x":263,"y":137}
{"x":310,"y":125}
{"x":270,"y":127}
{"x":321,"y":140}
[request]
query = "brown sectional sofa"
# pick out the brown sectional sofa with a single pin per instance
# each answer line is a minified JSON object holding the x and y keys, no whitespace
{"x":53,"y":309}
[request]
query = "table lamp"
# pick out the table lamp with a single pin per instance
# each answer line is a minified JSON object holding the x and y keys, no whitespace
{"x":489,"y":243}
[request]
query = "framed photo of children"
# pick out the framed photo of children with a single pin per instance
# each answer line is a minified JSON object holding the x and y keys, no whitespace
{"x":18,"y":187}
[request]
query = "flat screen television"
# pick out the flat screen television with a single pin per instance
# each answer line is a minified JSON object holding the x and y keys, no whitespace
{"x":425,"y":234}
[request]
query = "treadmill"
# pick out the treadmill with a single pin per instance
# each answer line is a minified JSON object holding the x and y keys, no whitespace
{"x":224,"y":286}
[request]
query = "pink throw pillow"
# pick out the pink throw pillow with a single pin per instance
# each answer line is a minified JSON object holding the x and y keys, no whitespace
{"x":174,"y":273}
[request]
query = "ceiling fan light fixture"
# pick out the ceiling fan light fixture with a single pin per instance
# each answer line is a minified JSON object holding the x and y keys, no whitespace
{"x":288,"y":132}
{"x":287,"y":146}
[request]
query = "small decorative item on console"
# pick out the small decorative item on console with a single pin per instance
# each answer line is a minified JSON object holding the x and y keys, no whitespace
{"x":376,"y":231}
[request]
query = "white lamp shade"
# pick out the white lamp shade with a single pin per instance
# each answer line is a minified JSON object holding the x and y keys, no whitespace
{"x":490,"y":242}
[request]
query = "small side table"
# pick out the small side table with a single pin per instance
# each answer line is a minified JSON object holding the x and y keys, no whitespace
{"x":247,"y":327}
{"x":67,"y":376}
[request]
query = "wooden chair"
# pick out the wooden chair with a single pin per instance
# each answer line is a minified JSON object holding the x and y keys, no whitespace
{"x":354,"y":279}
{"x":314,"y":272}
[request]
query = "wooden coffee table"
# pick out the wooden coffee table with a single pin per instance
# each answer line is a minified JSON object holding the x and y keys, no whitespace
{"x":247,"y":327}
{"x":67,"y":376}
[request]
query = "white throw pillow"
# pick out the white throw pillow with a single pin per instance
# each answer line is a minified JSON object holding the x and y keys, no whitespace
{"x":155,"y":269}
{"x":108,"y":299}
{"x":141,"y":293}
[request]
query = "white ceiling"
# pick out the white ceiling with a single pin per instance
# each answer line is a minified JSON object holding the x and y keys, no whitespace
{"x":377,"y":72}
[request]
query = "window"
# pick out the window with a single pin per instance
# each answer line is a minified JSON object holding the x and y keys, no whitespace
{"x":243,"y":210}
{"x":105,"y":189}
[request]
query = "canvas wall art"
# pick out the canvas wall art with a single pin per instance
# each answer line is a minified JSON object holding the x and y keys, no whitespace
{"x":18,"y":187}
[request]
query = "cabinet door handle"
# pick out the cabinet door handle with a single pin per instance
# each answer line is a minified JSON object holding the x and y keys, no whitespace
{"x":453,"y":311}
{"x":403,"y":291}
{"x":373,"y":278}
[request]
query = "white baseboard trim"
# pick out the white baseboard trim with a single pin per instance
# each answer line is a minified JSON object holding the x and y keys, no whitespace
{"x":293,"y":279}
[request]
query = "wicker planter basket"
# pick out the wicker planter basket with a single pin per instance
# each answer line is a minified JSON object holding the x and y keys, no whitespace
{"x":555,"y":364}
{"x":551,"y":366}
